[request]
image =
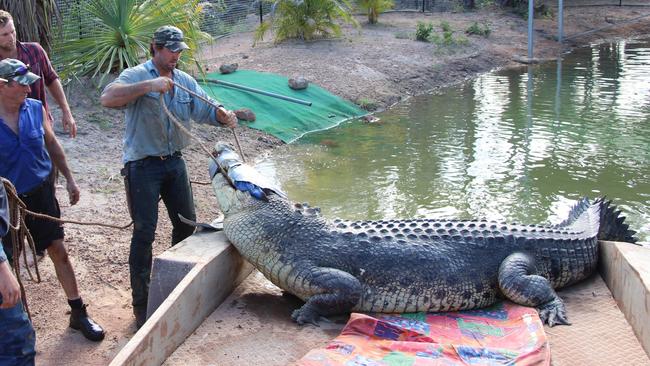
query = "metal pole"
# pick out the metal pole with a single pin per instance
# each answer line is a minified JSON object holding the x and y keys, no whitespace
{"x":560,"y":21}
{"x":531,"y":11}
{"x":261,"y":19}
{"x":253,"y":90}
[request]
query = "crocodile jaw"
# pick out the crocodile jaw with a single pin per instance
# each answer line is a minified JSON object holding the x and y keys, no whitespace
{"x":229,"y":199}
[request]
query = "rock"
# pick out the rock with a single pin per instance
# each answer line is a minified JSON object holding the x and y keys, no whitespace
{"x":244,"y":56}
{"x":298,"y":83}
{"x":228,"y":68}
{"x":245,"y":114}
{"x":370,"y":119}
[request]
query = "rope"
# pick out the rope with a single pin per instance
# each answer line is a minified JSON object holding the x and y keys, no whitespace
{"x":19,"y":232}
{"x":187,"y":132}
{"x":243,"y":158}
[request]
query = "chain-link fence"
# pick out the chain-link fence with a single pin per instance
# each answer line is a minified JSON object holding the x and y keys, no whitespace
{"x":223,"y":17}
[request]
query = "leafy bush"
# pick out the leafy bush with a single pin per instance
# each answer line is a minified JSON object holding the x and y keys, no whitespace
{"x":368,"y":104}
{"x":479,"y":30}
{"x":305,"y":19}
{"x":374,"y":7}
{"x":423,"y":31}
{"x":121,"y":35}
{"x":445,"y":26}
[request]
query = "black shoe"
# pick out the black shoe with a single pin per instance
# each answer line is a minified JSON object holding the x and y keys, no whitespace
{"x":80,"y":320}
{"x":140,"y":313}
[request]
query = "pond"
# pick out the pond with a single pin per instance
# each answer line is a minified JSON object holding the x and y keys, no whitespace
{"x":517,"y":145}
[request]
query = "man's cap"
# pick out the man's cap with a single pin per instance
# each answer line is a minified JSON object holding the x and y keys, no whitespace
{"x":170,"y":37}
{"x":11,"y":69}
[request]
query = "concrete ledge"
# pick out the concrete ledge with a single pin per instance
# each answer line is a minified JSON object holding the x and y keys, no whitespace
{"x":626,"y":270}
{"x":207,"y":269}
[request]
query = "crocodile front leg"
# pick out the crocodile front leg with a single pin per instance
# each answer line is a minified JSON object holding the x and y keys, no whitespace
{"x":333,"y":292}
{"x":520,"y":283}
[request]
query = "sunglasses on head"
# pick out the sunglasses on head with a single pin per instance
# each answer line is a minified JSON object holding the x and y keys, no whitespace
{"x":20,"y":71}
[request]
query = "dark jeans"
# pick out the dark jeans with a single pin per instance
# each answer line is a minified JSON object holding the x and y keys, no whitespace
{"x":17,"y":338}
{"x":148,"y":180}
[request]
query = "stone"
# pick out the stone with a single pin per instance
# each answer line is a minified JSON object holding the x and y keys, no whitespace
{"x":228,"y":68}
{"x":245,"y":114}
{"x":298,"y":83}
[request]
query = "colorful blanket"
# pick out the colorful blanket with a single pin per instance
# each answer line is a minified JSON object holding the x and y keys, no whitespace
{"x":505,"y":334}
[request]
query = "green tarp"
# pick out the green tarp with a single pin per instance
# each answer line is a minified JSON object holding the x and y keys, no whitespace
{"x":286,"y":120}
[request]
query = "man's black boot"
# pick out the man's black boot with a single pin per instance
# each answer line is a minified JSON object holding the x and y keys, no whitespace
{"x":80,"y":320}
{"x":140,"y":313}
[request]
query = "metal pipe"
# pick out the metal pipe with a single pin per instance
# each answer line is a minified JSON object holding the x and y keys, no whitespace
{"x":531,"y":15}
{"x":560,"y":21}
{"x":253,"y":90}
{"x":241,"y":152}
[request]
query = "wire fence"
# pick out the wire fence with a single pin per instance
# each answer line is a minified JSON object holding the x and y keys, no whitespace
{"x":224,"y":17}
{"x":220,"y":17}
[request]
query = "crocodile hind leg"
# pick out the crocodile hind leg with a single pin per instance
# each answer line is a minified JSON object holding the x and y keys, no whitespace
{"x":333,"y":292}
{"x":519,"y":282}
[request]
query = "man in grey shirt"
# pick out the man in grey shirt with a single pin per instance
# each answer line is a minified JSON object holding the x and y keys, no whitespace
{"x":152,"y":149}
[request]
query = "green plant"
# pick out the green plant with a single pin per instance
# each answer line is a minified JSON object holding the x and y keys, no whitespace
{"x":374,"y":7}
{"x":367,"y":104}
{"x":32,"y":19}
{"x":445,"y":26}
{"x":305,"y":19}
{"x":423,"y":31}
{"x":479,"y":30}
{"x":122,"y":33}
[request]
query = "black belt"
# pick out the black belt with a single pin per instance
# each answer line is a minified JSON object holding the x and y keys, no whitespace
{"x":176,"y":154}
{"x":36,"y":189}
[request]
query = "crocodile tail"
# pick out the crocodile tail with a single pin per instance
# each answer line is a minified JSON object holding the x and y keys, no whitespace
{"x":583,"y":217}
{"x":600,"y":219}
{"x":612,"y":224}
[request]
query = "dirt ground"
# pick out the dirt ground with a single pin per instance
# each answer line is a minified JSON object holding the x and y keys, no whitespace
{"x":377,"y":63}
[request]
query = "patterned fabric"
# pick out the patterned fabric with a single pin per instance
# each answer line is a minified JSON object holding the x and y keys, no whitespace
{"x":33,"y":54}
{"x":170,"y":37}
{"x":505,"y":334}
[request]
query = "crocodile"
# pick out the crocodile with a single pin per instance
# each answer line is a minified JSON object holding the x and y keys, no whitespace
{"x":397,"y":266}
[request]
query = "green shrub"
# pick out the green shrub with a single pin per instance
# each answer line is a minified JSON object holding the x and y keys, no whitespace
{"x":374,"y":7}
{"x":367,"y":104}
{"x":305,"y":19}
{"x":479,"y":30}
{"x":445,"y":26}
{"x":121,"y":35}
{"x":423,"y":31}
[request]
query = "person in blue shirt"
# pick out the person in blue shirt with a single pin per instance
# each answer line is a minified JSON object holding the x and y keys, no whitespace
{"x":17,"y":336}
{"x":28,"y":148}
{"x":153,"y":166}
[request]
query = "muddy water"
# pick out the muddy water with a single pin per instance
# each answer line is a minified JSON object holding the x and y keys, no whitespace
{"x":520,"y":145}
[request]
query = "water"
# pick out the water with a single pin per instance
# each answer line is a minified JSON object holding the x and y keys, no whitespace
{"x":519,"y":145}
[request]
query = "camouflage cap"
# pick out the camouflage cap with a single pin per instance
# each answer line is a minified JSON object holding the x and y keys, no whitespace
{"x":11,"y":69}
{"x":170,"y":37}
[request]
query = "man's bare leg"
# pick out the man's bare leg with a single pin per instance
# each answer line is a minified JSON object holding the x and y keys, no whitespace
{"x":79,"y":318}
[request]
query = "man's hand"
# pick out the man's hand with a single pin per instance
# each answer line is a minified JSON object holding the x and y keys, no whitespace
{"x":69,"y":124}
{"x":161,"y":84}
{"x":73,"y":192}
{"x":226,"y":117}
{"x":9,"y":287}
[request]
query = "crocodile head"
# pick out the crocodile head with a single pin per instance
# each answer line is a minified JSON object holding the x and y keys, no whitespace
{"x":237,"y":185}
